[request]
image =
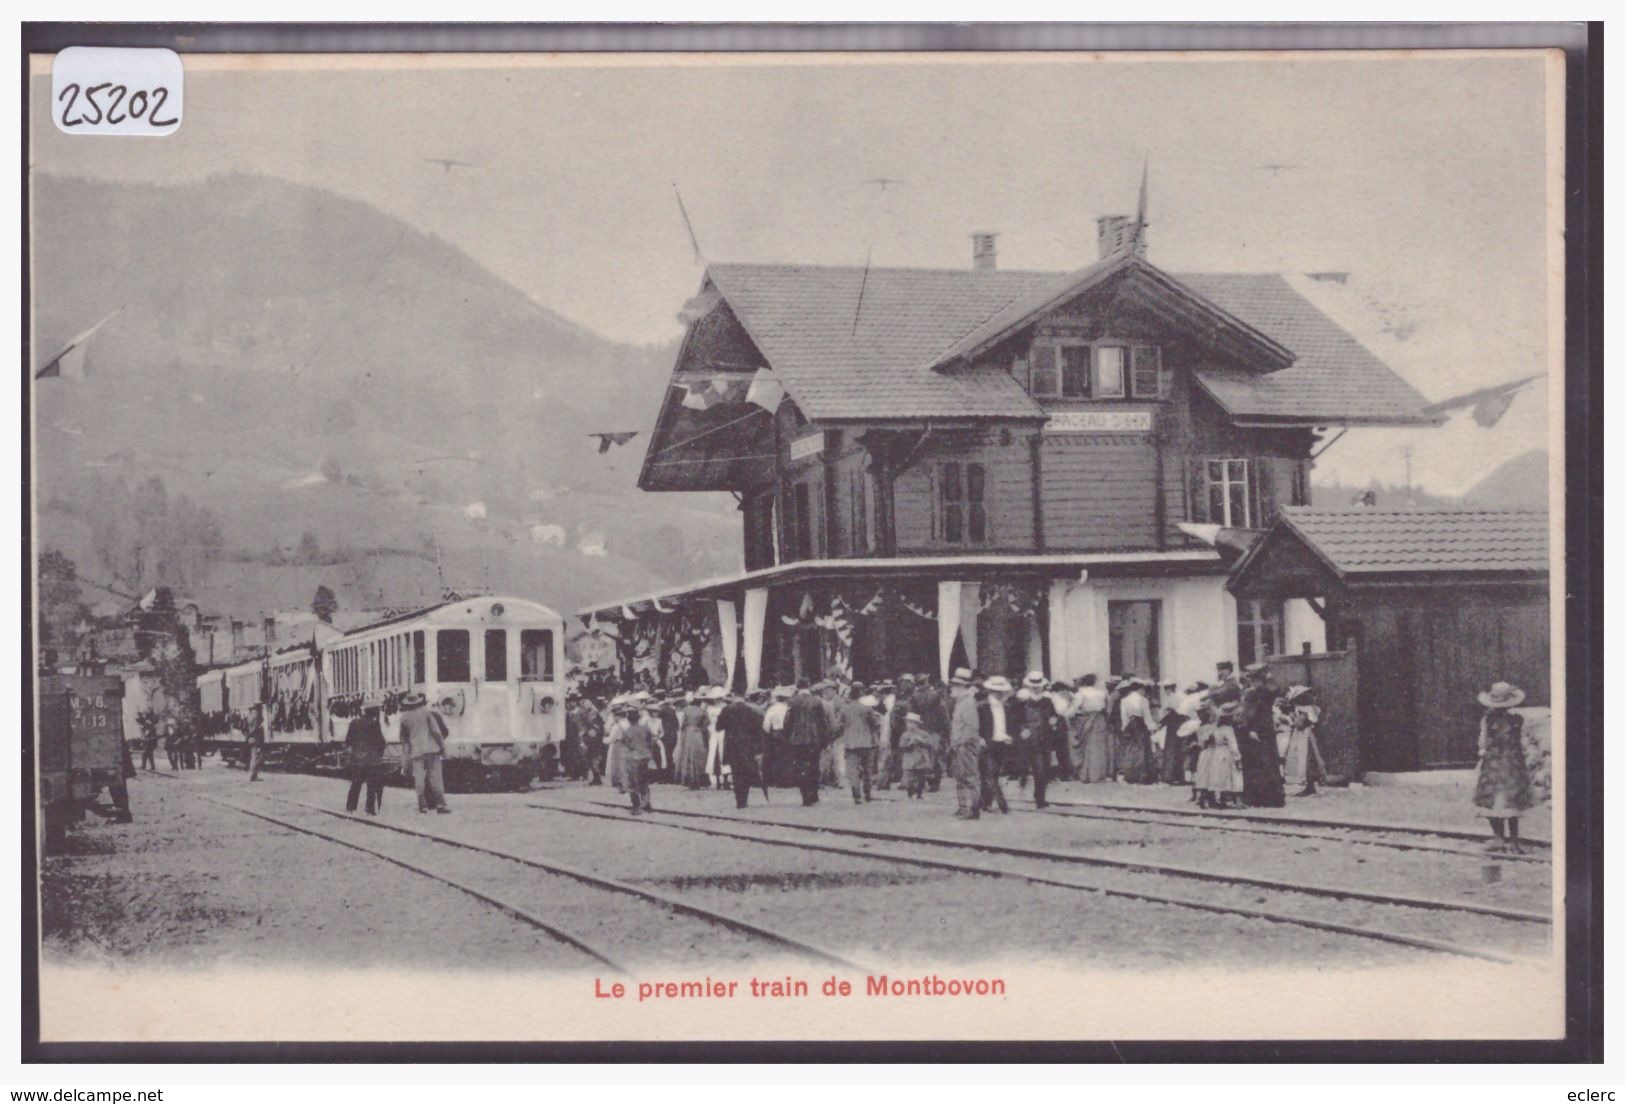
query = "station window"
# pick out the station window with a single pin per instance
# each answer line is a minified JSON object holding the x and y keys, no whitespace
{"x":496,"y":655}
{"x":1228,"y":501}
{"x":536,"y":655}
{"x":1146,"y":377}
{"x":1258,"y":629}
{"x":419,"y":666}
{"x":451,"y":655}
{"x":962,"y":503}
{"x":1109,"y":372}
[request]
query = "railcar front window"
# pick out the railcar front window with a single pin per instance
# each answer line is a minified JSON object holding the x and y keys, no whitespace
{"x":536,"y":655}
{"x":496,"y":655}
{"x":451,"y":655}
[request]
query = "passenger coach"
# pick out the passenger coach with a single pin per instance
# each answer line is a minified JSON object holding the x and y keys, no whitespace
{"x":492,"y":667}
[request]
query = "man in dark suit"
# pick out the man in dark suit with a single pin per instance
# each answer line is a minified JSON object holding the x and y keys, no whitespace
{"x":807,"y":731}
{"x":742,"y":743}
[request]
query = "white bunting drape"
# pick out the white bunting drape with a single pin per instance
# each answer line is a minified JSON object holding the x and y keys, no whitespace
{"x":948,"y":598}
{"x":728,"y":628}
{"x":970,"y":608}
{"x":755,"y":620}
{"x":1060,"y":666}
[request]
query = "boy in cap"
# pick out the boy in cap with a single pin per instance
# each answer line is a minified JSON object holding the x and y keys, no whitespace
{"x":637,"y":745}
{"x":916,"y":746}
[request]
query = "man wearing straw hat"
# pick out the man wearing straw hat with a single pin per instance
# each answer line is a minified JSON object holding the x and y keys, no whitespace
{"x":965,"y":746}
{"x":423,"y":744}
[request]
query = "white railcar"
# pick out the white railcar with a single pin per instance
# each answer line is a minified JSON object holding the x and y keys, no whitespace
{"x":492,"y":667}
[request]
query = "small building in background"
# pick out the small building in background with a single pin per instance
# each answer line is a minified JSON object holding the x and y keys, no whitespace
{"x":1423,"y":610}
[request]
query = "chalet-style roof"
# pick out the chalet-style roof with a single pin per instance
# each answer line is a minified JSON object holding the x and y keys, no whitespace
{"x":1307,"y":550}
{"x":1372,"y":541}
{"x":1333,"y":373}
{"x":801,"y":317}
{"x":888,"y":358}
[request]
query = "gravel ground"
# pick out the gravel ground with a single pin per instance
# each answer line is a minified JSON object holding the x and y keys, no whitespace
{"x":193,"y":884}
{"x":190,"y":883}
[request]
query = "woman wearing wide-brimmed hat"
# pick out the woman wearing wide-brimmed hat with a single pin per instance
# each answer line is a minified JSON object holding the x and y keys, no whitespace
{"x":1136,"y":760}
{"x":1303,"y":764}
{"x":688,"y":762}
{"x":1503,"y":792}
{"x":1091,"y":735}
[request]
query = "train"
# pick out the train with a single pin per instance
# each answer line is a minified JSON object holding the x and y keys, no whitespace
{"x":492,"y":667}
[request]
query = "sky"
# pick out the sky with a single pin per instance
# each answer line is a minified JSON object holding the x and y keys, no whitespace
{"x":1423,"y":177}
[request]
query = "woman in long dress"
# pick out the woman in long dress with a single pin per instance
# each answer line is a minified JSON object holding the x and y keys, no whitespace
{"x":1303,"y":765}
{"x":1135,"y":758}
{"x":1173,"y":745}
{"x":1091,"y":738}
{"x":715,"y":765}
{"x":688,"y":762}
{"x":1502,"y":792}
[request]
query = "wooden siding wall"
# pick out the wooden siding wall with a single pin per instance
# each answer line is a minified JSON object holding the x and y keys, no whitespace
{"x":1426,"y":653}
{"x":1008,"y":462}
{"x":1100,"y":491}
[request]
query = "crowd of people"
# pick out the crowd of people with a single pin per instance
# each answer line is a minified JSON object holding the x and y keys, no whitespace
{"x":1234,"y":741}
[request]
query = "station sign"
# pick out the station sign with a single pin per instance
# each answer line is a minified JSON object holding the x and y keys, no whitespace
{"x":810,"y":445}
{"x":1099,"y":421}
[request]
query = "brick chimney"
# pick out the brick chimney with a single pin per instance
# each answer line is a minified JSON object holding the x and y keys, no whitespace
{"x":984,"y":251}
{"x":1114,"y":234}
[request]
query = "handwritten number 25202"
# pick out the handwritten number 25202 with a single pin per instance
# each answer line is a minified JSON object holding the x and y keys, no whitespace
{"x":122,"y":104}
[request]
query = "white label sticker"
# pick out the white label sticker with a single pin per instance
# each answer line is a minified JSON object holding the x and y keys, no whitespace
{"x":108,"y":90}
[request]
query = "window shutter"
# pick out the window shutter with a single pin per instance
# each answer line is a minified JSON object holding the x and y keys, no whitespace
{"x":1196,"y":489}
{"x":1260,"y":499}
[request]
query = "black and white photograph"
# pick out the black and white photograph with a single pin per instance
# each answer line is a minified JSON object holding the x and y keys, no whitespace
{"x":745,"y":547}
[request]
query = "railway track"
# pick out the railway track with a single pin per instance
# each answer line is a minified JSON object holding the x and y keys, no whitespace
{"x":1390,"y":837}
{"x":798,"y":839}
{"x":1233,"y":821}
{"x":527,"y":888}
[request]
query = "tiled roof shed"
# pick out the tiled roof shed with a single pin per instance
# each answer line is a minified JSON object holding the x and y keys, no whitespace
{"x":856,"y":346}
{"x":1353,"y":546}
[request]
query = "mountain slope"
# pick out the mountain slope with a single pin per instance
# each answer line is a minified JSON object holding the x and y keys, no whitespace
{"x":296,"y":361}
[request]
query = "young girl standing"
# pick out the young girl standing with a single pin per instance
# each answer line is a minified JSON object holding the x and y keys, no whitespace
{"x":1502,"y":793}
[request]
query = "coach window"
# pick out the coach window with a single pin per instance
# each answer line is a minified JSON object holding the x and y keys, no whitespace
{"x":536,"y":655}
{"x":496,"y":655}
{"x":451,"y":655}
{"x":419,"y":667}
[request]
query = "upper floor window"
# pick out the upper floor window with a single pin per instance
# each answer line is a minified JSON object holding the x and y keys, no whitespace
{"x":962,"y":503}
{"x":1071,"y":368}
{"x":1229,"y":502}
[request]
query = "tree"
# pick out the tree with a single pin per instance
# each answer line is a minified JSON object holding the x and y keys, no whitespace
{"x":324,"y":604}
{"x":60,"y":605}
{"x":310,"y":549}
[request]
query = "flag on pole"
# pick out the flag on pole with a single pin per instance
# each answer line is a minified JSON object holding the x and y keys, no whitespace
{"x":71,"y":360}
{"x":766,"y":390}
{"x":1139,"y":219}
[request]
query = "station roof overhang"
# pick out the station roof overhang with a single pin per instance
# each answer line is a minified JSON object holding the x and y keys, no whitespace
{"x":1051,"y":566}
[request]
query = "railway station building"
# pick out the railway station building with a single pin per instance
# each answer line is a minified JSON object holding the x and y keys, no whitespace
{"x":1006,"y":470}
